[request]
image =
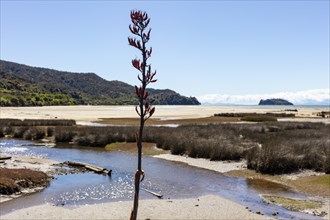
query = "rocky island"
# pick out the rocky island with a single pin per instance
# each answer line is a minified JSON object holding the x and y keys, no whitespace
{"x":274,"y":102}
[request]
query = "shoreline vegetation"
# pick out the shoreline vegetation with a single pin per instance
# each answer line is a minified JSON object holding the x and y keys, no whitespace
{"x":267,"y":147}
{"x":252,"y":150}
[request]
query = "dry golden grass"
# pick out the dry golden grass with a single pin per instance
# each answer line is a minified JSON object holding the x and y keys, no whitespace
{"x":12,"y":180}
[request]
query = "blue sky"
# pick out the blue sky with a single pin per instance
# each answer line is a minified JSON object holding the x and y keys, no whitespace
{"x":199,"y":47}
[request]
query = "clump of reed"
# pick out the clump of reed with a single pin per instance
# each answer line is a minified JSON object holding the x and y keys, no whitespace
{"x":94,"y":136}
{"x":36,"y":122}
{"x":1,"y":133}
{"x":289,"y":147}
{"x":34,"y":134}
{"x":25,"y":132}
{"x":200,"y":141}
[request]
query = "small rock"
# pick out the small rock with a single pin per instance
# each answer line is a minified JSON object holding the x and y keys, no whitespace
{"x":258,"y":212}
{"x":275,"y":213}
{"x":196,"y":205}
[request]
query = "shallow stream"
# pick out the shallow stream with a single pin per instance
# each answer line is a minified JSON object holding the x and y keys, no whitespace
{"x":173,"y":180}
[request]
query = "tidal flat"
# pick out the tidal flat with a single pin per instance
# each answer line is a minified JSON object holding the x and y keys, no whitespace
{"x":163,"y":112}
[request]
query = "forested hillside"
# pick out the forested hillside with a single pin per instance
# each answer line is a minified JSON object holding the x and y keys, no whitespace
{"x":23,"y":85}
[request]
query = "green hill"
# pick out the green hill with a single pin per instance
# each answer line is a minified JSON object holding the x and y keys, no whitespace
{"x":23,"y":85}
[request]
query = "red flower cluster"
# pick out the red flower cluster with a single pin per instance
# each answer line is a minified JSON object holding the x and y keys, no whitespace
{"x":150,"y":76}
{"x":149,"y":52}
{"x":140,"y":18}
{"x":138,"y":27}
{"x":136,"y":64}
{"x":135,"y":43}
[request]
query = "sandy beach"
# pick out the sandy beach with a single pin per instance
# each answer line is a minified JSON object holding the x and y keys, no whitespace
{"x":205,"y":207}
{"x":217,"y":166}
{"x":95,"y":113}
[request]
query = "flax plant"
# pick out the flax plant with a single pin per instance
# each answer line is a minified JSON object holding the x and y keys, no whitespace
{"x":145,"y":110}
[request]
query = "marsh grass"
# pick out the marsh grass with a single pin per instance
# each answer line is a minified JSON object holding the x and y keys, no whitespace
{"x":258,"y":118}
{"x":36,"y":122}
{"x":273,"y":148}
{"x":268,"y":147}
{"x":94,"y":136}
{"x":239,"y":115}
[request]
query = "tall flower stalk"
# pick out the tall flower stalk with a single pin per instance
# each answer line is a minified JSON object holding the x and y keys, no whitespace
{"x":145,"y":110}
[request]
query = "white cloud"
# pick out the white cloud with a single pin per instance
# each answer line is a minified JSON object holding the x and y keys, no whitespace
{"x":316,"y":96}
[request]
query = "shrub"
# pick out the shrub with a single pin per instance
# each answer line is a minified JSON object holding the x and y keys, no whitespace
{"x":7,"y":130}
{"x":1,"y":132}
{"x":258,"y":118}
{"x":64,"y":134}
{"x":50,"y":131}
{"x":18,"y":132}
{"x":326,"y":165}
{"x":49,"y":122}
{"x":34,"y":134}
